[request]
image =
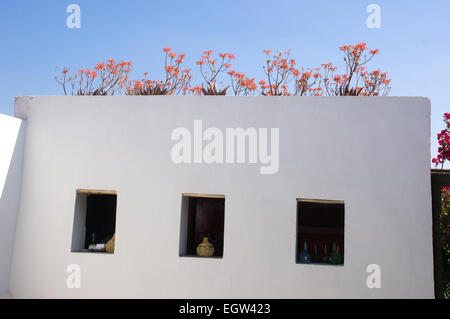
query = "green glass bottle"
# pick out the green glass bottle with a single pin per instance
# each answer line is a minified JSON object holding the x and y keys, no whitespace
{"x":335,"y":258}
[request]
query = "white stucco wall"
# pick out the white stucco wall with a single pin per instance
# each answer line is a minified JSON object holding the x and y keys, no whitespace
{"x":11,"y":155}
{"x":373,"y":153}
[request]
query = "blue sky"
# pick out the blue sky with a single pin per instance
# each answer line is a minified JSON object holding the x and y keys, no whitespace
{"x":414,"y":39}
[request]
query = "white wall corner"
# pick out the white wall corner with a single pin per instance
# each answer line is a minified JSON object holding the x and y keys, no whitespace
{"x":11,"y":160}
{"x":21,"y":106}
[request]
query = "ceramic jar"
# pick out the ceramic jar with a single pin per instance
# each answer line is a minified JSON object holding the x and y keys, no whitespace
{"x":205,"y":248}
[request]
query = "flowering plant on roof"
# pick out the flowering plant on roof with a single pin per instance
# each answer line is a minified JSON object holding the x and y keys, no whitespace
{"x":356,"y":80}
{"x":279,"y":69}
{"x":106,"y":78}
{"x":282,"y":77}
{"x":176,"y":80}
{"x":211,"y":68}
{"x":241,"y":84}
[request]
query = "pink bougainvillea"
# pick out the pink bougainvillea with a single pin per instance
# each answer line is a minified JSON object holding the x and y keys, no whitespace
{"x":444,"y":143}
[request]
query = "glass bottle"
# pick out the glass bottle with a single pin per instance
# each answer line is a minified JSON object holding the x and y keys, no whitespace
{"x":304,"y":256}
{"x":316,"y":256}
{"x":335,"y":258}
{"x":325,"y":255}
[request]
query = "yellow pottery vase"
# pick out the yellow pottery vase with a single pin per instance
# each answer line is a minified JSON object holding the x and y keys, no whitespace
{"x":205,"y":248}
{"x":110,"y":245}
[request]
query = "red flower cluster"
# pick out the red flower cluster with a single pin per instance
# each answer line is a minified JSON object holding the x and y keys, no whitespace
{"x":444,"y":143}
{"x":241,"y":84}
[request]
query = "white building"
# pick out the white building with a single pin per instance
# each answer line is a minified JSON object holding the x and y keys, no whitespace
{"x":353,"y":171}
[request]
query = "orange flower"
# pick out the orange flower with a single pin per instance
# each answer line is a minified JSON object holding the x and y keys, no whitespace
{"x":361,"y":46}
{"x":137,"y":84}
{"x":100,"y":66}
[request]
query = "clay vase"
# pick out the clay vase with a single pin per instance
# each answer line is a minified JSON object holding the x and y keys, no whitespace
{"x":205,"y":248}
{"x":110,"y":245}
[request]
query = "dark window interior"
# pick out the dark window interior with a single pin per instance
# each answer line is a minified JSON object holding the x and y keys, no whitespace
{"x":100,"y":218}
{"x":320,"y":225}
{"x":205,"y":219}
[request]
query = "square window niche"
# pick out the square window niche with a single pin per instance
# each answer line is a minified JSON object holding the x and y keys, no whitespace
{"x":202,"y":216}
{"x":94,"y":224}
{"x":320,"y":231}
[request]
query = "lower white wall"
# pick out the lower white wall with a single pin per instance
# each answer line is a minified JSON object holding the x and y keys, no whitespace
{"x":11,"y":155}
{"x":373,"y":153}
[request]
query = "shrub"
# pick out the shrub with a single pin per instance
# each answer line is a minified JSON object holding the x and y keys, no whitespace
{"x":444,"y":143}
{"x":445,"y":228}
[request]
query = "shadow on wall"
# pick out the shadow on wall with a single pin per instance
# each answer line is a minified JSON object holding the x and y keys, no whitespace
{"x":11,"y":141}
